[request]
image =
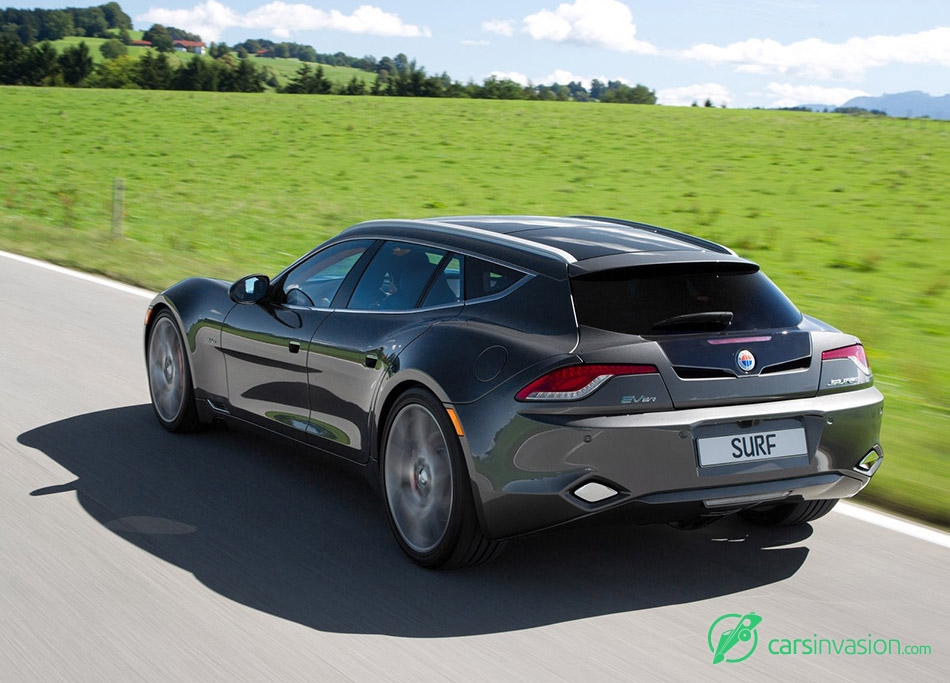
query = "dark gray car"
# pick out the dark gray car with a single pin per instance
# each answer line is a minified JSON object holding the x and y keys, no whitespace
{"x":503,"y":374}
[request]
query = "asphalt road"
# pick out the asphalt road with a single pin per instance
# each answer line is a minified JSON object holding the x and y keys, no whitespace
{"x":130,"y":554}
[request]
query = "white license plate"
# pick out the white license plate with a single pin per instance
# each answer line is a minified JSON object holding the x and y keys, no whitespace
{"x":735,"y":448}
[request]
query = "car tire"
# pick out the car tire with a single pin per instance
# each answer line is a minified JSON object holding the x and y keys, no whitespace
{"x":426,"y":487}
{"x":788,"y":514}
{"x":169,"y":376}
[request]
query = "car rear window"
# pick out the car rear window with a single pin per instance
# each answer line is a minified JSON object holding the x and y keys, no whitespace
{"x":682,"y":299}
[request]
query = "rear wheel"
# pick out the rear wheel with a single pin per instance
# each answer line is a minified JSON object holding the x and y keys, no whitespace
{"x":788,"y":514}
{"x":169,"y":377}
{"x":426,"y":486}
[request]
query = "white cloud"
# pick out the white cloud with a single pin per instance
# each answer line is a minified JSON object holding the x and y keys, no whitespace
{"x":501,"y":27}
{"x":515,"y":76}
{"x":685,"y":95}
{"x":788,"y":95}
{"x":211,"y":18}
{"x":563,"y":77}
{"x":207,"y":19}
{"x":559,"y":76}
{"x":815,"y":58}
{"x":601,"y":23}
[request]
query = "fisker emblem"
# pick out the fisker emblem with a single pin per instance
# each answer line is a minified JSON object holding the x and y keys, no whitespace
{"x":745,"y":360}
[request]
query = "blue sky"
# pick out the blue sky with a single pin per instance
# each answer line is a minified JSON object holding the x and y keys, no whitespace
{"x":740,"y":52}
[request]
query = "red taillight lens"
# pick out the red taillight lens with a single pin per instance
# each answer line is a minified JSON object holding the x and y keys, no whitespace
{"x":854,"y":352}
{"x":576,"y":381}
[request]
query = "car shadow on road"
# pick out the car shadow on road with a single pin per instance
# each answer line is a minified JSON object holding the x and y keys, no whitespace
{"x":303,"y":537}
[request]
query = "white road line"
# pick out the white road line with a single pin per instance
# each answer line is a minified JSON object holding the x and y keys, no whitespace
{"x":898,"y":524}
{"x":128,"y":289}
{"x":852,"y":510}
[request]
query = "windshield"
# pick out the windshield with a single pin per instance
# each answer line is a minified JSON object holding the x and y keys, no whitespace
{"x":682,"y":298}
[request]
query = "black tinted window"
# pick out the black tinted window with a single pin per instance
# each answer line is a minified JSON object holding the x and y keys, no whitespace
{"x":485,"y":279}
{"x":315,"y":281}
{"x":396,"y":277}
{"x":677,"y":300}
{"x":447,"y":286}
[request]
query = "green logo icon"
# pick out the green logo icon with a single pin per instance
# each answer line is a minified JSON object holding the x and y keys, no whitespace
{"x":733,"y":633}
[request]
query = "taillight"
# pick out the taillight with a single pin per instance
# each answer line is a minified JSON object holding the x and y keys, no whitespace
{"x":855,"y":352}
{"x":576,"y":381}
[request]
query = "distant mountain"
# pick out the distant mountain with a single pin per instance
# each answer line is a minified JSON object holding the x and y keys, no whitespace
{"x":913,"y":104}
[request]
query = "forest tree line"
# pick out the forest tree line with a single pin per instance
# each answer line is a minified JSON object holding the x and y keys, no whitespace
{"x":27,"y":57}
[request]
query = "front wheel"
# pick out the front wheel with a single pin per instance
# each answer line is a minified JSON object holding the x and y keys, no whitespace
{"x":426,"y":486}
{"x":788,"y":514}
{"x":169,"y":379}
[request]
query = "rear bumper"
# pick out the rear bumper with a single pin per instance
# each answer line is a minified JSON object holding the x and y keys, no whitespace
{"x":527,"y":474}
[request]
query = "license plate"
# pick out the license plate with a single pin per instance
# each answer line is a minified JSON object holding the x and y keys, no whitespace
{"x":724,"y":450}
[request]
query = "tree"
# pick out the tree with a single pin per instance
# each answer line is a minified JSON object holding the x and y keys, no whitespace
{"x":58,"y":25}
{"x":119,"y":72}
{"x":623,"y":93}
{"x":41,"y":66}
{"x":216,"y":50}
{"x":76,"y":63}
{"x":247,"y":78}
{"x":597,"y":89}
{"x":159,"y":37}
{"x":91,"y":21}
{"x":12,"y":58}
{"x":355,"y":87}
{"x":708,"y":103}
{"x":115,"y":17}
{"x":181,"y":34}
{"x":309,"y":82}
{"x":401,"y":62}
{"x":198,"y":74}
{"x":154,"y":72}
{"x":386,"y":69}
{"x":113,"y":48}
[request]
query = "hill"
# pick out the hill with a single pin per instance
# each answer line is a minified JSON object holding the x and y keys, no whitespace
{"x":285,"y":69}
{"x":911,"y":104}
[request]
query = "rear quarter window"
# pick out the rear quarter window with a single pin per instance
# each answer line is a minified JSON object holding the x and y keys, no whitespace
{"x":483,"y":278}
{"x":643,"y":301}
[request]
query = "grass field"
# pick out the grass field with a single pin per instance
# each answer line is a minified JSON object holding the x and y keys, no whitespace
{"x":848,"y":215}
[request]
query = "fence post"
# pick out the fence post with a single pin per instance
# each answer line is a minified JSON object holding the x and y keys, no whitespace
{"x":118,"y":207}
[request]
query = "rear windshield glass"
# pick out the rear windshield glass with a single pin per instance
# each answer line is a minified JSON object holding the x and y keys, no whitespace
{"x":682,"y":300}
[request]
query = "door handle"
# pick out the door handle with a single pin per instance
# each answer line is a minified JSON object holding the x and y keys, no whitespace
{"x":370,"y":360}
{"x":294,"y":347}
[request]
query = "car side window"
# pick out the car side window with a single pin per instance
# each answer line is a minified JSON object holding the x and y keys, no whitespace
{"x":483,"y":278}
{"x":316,"y":281}
{"x":396,"y":277}
{"x":446,"y":288}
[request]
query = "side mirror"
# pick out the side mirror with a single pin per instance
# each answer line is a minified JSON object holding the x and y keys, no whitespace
{"x":250,"y":290}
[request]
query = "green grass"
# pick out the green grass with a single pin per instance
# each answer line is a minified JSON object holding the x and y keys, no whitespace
{"x":95,"y":43}
{"x":286,"y":69}
{"x":848,"y":215}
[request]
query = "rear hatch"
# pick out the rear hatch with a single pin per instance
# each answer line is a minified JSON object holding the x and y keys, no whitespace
{"x":720,"y":332}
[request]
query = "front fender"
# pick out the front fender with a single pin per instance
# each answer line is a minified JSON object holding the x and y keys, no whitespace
{"x":199,"y":306}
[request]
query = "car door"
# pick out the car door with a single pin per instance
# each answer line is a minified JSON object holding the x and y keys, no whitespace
{"x":404,"y":289}
{"x":266,"y":345}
